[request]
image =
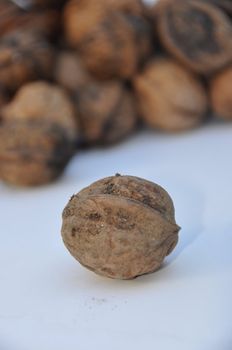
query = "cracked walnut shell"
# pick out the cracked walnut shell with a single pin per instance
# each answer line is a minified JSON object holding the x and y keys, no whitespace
{"x":197,"y":33}
{"x":120,"y":227}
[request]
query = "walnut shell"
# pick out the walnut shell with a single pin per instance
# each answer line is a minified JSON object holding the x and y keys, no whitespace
{"x":221,"y":94}
{"x":30,"y":4}
{"x":225,"y":5}
{"x":170,"y":97}
{"x":81,"y":16}
{"x":197,"y":33}
{"x":120,"y":227}
{"x":37,"y":135}
{"x":70,"y":72}
{"x":24,"y":56}
{"x":13,"y":18}
{"x":106,"y":111}
{"x":111,"y":43}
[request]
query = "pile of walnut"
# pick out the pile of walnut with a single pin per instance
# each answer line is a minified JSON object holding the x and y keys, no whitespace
{"x":83,"y":73}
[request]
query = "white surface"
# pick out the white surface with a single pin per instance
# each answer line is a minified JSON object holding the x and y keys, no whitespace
{"x":49,"y":302}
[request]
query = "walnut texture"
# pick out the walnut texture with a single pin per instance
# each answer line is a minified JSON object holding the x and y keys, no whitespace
{"x":37,"y":135}
{"x":170,"y":97}
{"x":199,"y":34}
{"x":120,"y":227}
{"x":24,"y":56}
{"x":70,"y":72}
{"x":107,"y":112}
{"x":221,"y":94}
{"x":113,"y":40}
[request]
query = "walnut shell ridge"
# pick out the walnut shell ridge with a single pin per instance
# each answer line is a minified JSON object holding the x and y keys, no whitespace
{"x":120,"y":227}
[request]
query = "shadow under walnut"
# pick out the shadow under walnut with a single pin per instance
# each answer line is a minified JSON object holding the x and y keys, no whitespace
{"x":120,"y":227}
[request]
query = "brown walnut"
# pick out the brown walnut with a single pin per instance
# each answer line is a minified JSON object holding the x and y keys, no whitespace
{"x":70,"y":72}
{"x":37,"y":135}
{"x":106,"y":112}
{"x":197,"y":33}
{"x":221,"y":94}
{"x":225,"y":5}
{"x":120,"y":227}
{"x":170,"y":97}
{"x":24,"y":56}
{"x":112,"y":42}
{"x":13,"y":18}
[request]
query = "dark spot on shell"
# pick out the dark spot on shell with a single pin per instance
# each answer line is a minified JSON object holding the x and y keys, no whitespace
{"x":109,"y":188}
{"x":73,"y":232}
{"x":94,"y":216}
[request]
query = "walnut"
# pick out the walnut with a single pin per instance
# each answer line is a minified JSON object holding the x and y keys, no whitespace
{"x":221,"y":94}
{"x":112,"y":42}
{"x":37,"y":135}
{"x":225,"y":5}
{"x":14,"y":18}
{"x":197,"y":33}
{"x":170,"y":97}
{"x":30,"y":4}
{"x":24,"y":56}
{"x":70,"y":72}
{"x":120,"y":227}
{"x":107,"y":112}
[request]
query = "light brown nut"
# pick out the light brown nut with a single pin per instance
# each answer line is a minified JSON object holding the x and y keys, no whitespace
{"x":106,"y":111}
{"x":170,"y":97}
{"x":120,"y":227}
{"x":197,"y":33}
{"x":37,"y":135}
{"x":221,"y":94}
{"x":111,"y":42}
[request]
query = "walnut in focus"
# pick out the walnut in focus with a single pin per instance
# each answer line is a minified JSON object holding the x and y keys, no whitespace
{"x":112,"y":41}
{"x":221,"y":94}
{"x":70,"y":72}
{"x":106,"y":111}
{"x":120,"y":227}
{"x":24,"y":56}
{"x":37,"y":135}
{"x":197,"y":33}
{"x":170,"y":97}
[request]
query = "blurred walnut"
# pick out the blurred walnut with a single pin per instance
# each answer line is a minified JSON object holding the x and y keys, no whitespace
{"x":70,"y":72}
{"x":120,"y":227}
{"x":197,"y":33}
{"x":37,"y":135}
{"x":13,"y":18}
{"x":4,"y":97}
{"x":221,"y":93}
{"x":106,"y":111}
{"x":225,"y":5}
{"x":24,"y":56}
{"x":170,"y":97}
{"x":30,"y":4}
{"x":112,"y":43}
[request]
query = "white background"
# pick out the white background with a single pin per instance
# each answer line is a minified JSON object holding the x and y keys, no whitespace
{"x":49,"y":302}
